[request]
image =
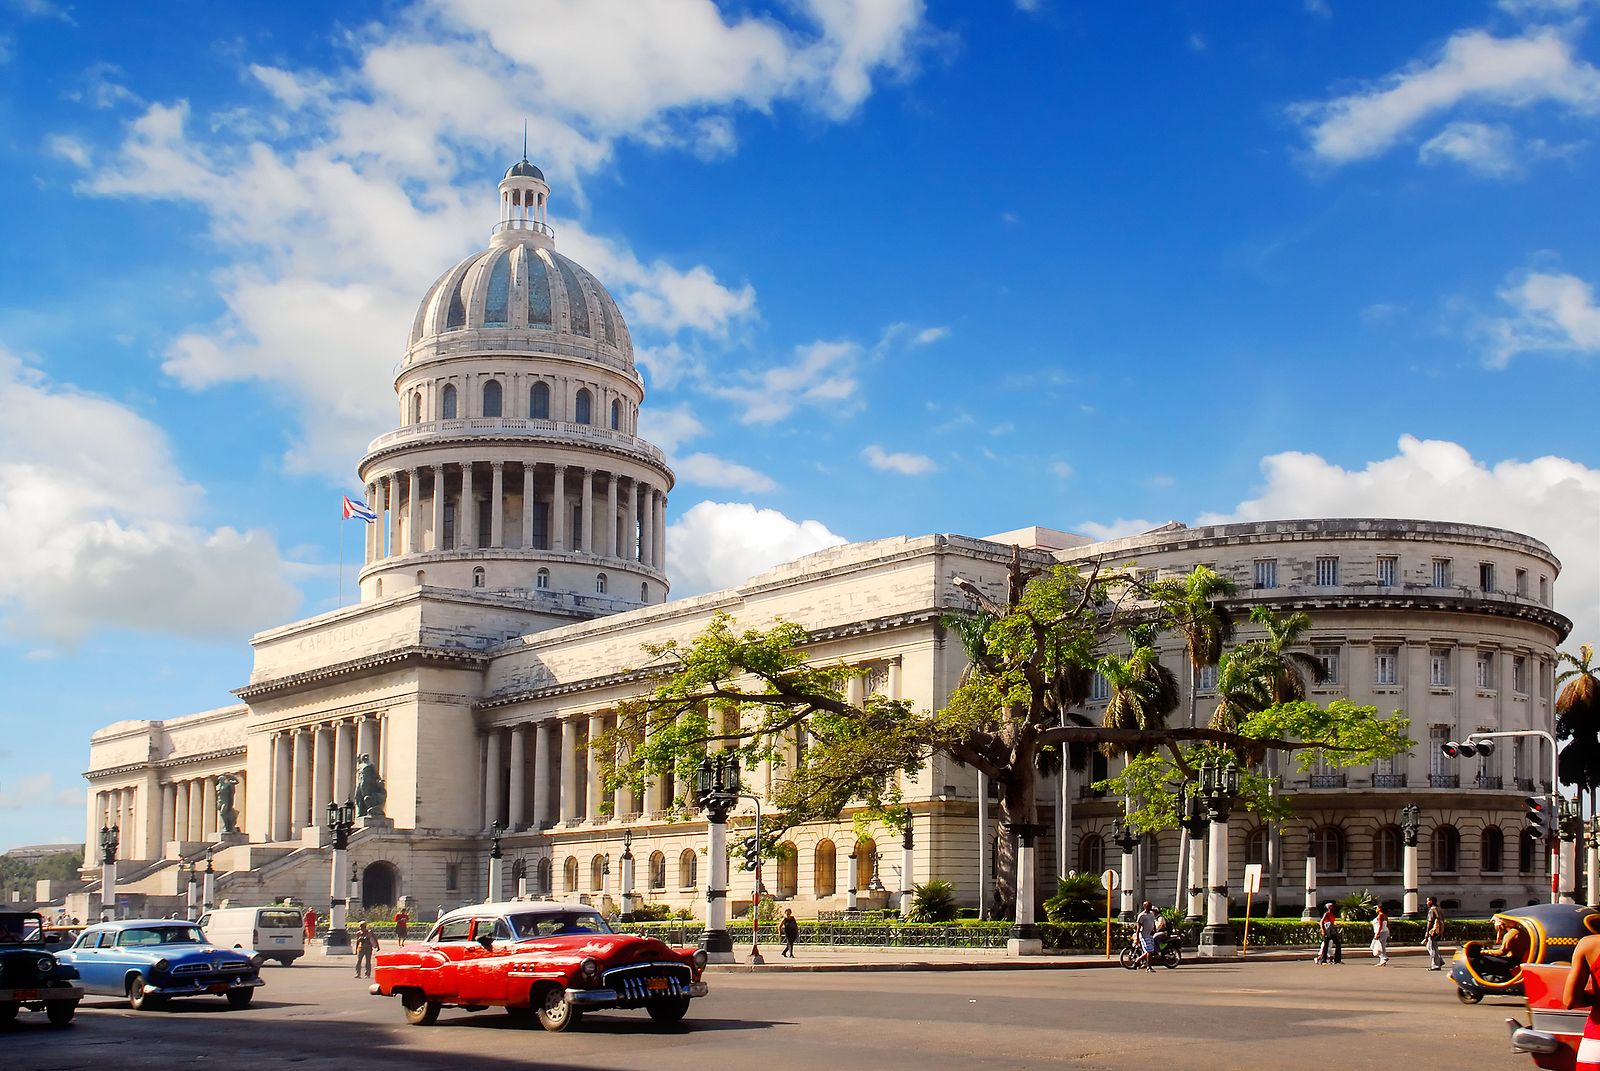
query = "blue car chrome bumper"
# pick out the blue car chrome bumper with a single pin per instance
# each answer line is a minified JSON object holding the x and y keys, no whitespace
{"x":200,"y":988}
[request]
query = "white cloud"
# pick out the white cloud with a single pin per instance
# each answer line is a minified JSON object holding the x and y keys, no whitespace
{"x":1543,"y":8}
{"x":720,"y":544}
{"x":361,"y":182}
{"x":903,"y":464}
{"x":1472,"y":67}
{"x":709,"y":470}
{"x":1122,"y":526}
{"x":821,"y":374}
{"x":929,"y":335}
{"x":1061,"y":470}
{"x":1551,"y":312}
{"x":38,"y":791}
{"x":96,"y":528}
{"x":1483,"y":147}
{"x":669,"y":427}
{"x":1553,"y":499}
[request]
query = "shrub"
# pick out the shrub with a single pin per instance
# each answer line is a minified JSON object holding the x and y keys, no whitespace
{"x":1078,"y":898}
{"x":933,"y":901}
{"x":1359,"y":906}
{"x":651,"y":913}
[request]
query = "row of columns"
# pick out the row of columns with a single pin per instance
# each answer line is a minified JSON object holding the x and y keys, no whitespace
{"x":537,"y":774}
{"x":315,"y":765}
{"x":638,"y":512}
{"x":116,"y":807}
{"x":189,"y":808}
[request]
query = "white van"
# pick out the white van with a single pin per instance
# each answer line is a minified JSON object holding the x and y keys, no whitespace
{"x":274,"y":932}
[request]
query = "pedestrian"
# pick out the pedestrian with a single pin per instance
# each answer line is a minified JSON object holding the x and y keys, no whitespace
{"x":1145,"y":924}
{"x":1430,"y":936}
{"x":791,"y":933}
{"x":1579,"y":994}
{"x":311,"y":923}
{"x":366,"y":944}
{"x":402,"y":920}
{"x":1332,"y":950}
{"x":1380,"y":937}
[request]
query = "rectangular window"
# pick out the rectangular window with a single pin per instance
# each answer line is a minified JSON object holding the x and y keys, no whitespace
{"x":1329,"y":657}
{"x":1485,"y":669}
{"x":1544,"y":591}
{"x":1266,"y":572}
{"x":449,"y":540}
{"x":452,"y":874}
{"x":541,"y":525}
{"x":1388,"y":568}
{"x":1207,"y":681}
{"x":1441,"y":572}
{"x":1385,"y":665}
{"x":1519,"y":758}
{"x":576,"y":527}
{"x":1486,"y":576}
{"x":1439,"y":668}
{"x":1522,"y":583}
{"x":1544,"y":680}
{"x":1519,"y":675}
{"x":1438,"y":735}
{"x":1099,"y":687}
{"x":1327,"y":572}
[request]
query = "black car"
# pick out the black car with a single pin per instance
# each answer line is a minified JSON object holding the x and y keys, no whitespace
{"x":30,"y":975}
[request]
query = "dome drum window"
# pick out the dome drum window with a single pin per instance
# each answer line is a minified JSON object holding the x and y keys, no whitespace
{"x":491,"y":398}
{"x":539,"y":402}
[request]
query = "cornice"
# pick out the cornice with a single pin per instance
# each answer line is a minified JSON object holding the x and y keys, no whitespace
{"x":410,"y":655}
{"x":172,"y":763}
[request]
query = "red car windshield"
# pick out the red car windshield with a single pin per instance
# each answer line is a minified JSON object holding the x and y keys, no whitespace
{"x":557,"y":923}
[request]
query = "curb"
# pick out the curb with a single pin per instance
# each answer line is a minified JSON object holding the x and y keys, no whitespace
{"x":1276,"y":955}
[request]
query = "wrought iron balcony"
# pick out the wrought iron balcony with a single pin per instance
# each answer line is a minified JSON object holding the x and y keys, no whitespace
{"x":1494,"y":784}
{"x":1327,"y":780}
{"x":1443,"y":780}
{"x":1389,"y":780}
{"x":1524,"y":784}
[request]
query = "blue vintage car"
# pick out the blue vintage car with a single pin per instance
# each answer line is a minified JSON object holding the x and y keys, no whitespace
{"x":150,"y":961}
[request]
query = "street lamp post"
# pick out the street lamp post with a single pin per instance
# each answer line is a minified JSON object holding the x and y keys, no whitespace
{"x":191,"y":893}
{"x":1194,"y":824}
{"x":341,"y":820}
{"x":1024,"y":939}
{"x":851,"y":904}
{"x":1570,"y":829}
{"x":627,"y":876}
{"x":1128,"y":841}
{"x":717,"y":791}
{"x":208,"y":887}
{"x":1482,"y":743}
{"x":906,"y":861}
{"x":1410,"y":825}
{"x":1592,"y":843}
{"x":110,"y":835}
{"x":496,"y":863}
{"x":1219,"y":784}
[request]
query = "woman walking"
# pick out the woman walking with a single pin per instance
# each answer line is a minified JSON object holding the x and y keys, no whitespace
{"x":1380,"y":937}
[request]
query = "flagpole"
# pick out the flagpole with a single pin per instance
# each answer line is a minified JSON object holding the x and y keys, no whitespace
{"x":341,"y":563}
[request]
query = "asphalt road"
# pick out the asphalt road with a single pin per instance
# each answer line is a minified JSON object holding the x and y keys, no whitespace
{"x":1260,"y":1015}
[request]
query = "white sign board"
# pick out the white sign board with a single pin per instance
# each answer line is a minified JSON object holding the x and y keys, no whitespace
{"x":1109,"y":879}
{"x":1252,"y":878}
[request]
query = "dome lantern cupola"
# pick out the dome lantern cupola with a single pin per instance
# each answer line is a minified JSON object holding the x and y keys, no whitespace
{"x":524,"y":195}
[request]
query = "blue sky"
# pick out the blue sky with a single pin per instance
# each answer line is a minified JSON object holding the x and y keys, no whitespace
{"x":891,"y":266}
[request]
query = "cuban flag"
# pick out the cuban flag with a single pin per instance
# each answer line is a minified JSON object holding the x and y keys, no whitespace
{"x":353,"y":508}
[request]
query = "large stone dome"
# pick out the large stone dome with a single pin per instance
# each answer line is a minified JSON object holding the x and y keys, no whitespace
{"x":518,"y":290}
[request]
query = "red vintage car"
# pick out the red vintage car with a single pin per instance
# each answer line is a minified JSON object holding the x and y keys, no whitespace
{"x":1553,"y":1032}
{"x":540,"y":961}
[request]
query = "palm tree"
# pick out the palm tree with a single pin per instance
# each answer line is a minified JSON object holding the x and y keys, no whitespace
{"x":1578,"y":719}
{"x":1258,"y":674}
{"x":1143,"y":691}
{"x":1204,"y":622}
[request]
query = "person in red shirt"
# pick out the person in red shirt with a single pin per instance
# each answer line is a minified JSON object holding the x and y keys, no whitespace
{"x":311,"y":923}
{"x":402,"y":919}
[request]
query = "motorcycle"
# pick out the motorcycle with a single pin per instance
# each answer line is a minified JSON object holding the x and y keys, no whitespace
{"x":1168,"y":953}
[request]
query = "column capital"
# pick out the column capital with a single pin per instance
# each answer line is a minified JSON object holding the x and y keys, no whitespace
{"x":497,"y":464}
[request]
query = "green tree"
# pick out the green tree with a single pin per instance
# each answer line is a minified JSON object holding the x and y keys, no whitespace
{"x":752,"y":691}
{"x":1578,"y":719}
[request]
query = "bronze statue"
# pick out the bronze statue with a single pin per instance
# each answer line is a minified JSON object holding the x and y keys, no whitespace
{"x":370,"y":792}
{"x":227,"y":814}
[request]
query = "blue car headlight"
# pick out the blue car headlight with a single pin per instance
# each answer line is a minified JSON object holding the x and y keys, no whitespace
{"x":159,"y":967}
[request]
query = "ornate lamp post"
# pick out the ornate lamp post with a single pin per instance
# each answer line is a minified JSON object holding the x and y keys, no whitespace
{"x":191,"y":899}
{"x":341,"y":820}
{"x":1410,"y":825}
{"x":1219,"y":784}
{"x":496,"y":862}
{"x":1592,"y":843}
{"x":851,"y":905}
{"x":208,"y":888}
{"x":110,"y":836}
{"x":906,"y":861}
{"x":717,"y":791}
{"x":627,"y":875}
{"x":1127,"y":840}
{"x":1193,"y":822}
{"x":1311,"y":910}
{"x":1570,"y":830}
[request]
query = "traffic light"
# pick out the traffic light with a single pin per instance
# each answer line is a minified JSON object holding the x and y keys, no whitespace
{"x":752,"y":853}
{"x":1538,"y":815}
{"x":1453,"y":749}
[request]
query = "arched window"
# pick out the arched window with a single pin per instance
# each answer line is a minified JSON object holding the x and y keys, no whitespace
{"x":644,"y":592}
{"x":824,"y":875}
{"x":379,"y":588}
{"x":688,"y":868}
{"x":788,"y":870}
{"x":477,"y":577}
{"x":658,"y":870}
{"x":569,"y":874}
{"x":1446,"y":849}
{"x":1492,"y":850}
{"x":866,"y":863}
{"x":1327,"y":844}
{"x":1091,"y":854}
{"x":416,"y":407}
{"x":616,"y":415}
{"x":539,"y":402}
{"x":447,"y":406}
{"x":597,"y":873}
{"x":541,"y":580}
{"x":599,"y":583}
{"x":422,"y":577}
{"x":544,"y":888}
{"x":491,"y":398}
{"x":1388,"y":849}
{"x":583,"y":410}
{"x":1255,"y":846}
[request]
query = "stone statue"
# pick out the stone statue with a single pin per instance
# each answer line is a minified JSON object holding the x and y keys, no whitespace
{"x":227,"y":814}
{"x":370,"y":793}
